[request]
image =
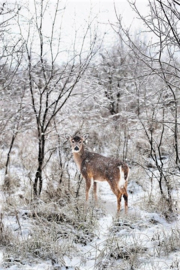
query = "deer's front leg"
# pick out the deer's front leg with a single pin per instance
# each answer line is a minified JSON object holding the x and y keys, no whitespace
{"x":88,"y":186}
{"x":95,"y":191}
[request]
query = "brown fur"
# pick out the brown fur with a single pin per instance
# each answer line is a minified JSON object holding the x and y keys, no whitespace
{"x":100,"y":168}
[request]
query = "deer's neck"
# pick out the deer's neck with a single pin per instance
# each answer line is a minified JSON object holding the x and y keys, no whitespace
{"x":78,"y":157}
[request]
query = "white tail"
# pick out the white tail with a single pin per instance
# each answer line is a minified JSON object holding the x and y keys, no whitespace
{"x":121,"y":179}
{"x":97,"y":167}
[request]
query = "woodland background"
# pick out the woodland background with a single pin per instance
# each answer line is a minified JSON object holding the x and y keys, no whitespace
{"x":126,"y":96}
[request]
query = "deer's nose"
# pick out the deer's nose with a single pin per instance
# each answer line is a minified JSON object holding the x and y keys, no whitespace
{"x":76,"y":148}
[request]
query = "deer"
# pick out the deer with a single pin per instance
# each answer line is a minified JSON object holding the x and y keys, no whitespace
{"x":95,"y":167}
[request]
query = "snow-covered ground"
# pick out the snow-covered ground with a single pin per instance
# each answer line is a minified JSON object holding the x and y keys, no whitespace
{"x":142,"y":239}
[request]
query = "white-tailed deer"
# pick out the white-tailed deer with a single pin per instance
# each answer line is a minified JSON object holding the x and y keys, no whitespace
{"x":95,"y":167}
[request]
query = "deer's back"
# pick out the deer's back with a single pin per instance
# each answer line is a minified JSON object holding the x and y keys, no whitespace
{"x":98,"y":167}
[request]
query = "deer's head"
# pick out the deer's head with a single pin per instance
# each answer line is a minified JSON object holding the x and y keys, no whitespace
{"x":76,"y":143}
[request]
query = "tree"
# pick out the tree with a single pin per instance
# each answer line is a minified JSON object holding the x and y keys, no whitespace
{"x":160,"y":58}
{"x":10,"y":60}
{"x":50,"y":85}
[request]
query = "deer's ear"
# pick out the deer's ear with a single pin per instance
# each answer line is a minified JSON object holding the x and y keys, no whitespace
{"x":85,"y":137}
{"x":67,"y":137}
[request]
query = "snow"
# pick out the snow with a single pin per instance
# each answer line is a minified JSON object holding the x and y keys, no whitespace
{"x":1,"y":256}
{"x":141,"y":228}
{"x":91,"y":236}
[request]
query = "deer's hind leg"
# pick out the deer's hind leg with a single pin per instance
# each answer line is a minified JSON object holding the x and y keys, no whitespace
{"x":125,"y":196}
{"x":118,"y":194}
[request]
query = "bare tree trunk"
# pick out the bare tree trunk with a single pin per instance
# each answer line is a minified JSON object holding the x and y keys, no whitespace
{"x":38,"y":175}
{"x":9,"y":152}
